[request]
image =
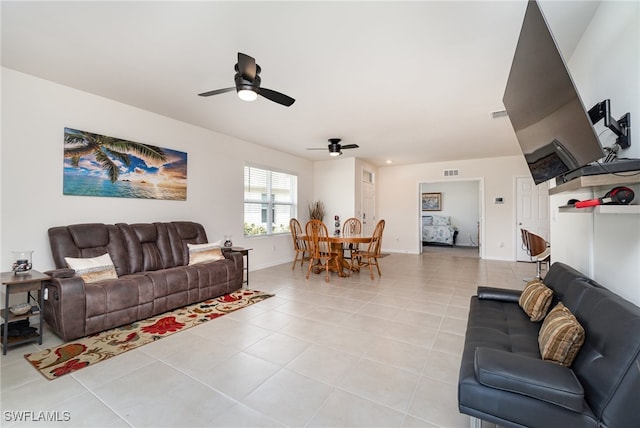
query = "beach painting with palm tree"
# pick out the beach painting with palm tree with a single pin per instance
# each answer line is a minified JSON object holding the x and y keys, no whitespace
{"x":97,"y":165}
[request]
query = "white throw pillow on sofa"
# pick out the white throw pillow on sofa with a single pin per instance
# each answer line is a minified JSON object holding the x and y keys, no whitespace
{"x":202,"y":253}
{"x":93,"y":269}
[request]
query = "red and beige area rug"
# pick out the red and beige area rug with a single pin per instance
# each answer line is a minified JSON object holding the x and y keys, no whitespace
{"x":76,"y":355}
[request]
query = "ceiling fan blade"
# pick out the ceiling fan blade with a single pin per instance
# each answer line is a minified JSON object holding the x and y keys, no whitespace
{"x":247,"y":67}
{"x":349,"y":146}
{"x":276,"y":97}
{"x":216,"y":92}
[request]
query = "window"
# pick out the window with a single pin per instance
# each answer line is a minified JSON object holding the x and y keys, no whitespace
{"x":269,"y":201}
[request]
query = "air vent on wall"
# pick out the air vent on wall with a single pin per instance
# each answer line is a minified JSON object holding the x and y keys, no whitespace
{"x":451,"y":172}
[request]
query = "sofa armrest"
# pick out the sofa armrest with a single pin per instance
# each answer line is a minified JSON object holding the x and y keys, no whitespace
{"x":529,"y":376}
{"x":65,"y":306}
{"x":502,"y":294}
{"x":238,"y":260}
{"x":61,"y":273}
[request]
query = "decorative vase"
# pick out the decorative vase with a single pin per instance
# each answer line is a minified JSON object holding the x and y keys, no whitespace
{"x":21,"y":261}
{"x":227,"y":241}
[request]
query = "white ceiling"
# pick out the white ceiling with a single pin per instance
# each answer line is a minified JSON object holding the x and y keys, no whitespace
{"x":407,"y":81}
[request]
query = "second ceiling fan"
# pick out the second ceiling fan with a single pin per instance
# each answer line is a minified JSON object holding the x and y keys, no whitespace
{"x":335,"y":148}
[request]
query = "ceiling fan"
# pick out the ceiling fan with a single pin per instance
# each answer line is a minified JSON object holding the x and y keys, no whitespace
{"x":335,"y":148}
{"x":248,"y":83}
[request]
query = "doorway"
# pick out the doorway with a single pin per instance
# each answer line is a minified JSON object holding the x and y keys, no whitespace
{"x":368,"y":202}
{"x":461,"y":204}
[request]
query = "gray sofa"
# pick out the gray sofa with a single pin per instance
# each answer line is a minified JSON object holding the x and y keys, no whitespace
{"x":504,"y":380}
{"x":151,"y":261}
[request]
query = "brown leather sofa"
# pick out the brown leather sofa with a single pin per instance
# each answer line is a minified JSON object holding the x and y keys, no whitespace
{"x":153,"y":275}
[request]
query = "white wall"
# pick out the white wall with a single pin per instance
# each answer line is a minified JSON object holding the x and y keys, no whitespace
{"x":461,"y":202}
{"x":398,"y":187}
{"x":338,"y":183}
{"x":34,"y":114}
{"x":605,"y":64}
{"x":334,"y":184}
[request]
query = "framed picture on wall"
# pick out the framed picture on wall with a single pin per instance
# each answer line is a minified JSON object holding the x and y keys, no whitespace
{"x":99,"y":165}
{"x":432,"y":201}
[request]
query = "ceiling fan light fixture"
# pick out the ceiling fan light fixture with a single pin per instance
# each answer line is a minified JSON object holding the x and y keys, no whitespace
{"x":334,"y":149}
{"x":247,"y":95}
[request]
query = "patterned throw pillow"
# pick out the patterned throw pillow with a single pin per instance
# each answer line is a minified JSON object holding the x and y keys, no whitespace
{"x":440,"y":220}
{"x":561,"y":336}
{"x":535,"y":300}
{"x":202,"y":253}
{"x":93,"y":269}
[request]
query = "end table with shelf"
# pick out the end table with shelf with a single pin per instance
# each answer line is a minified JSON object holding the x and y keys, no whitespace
{"x":30,"y":282}
{"x":245,"y":253}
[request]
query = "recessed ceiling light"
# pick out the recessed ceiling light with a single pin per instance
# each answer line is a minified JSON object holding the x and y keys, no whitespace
{"x":389,"y":161}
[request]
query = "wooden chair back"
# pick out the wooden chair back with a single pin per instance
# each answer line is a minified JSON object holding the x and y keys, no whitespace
{"x":318,"y":235}
{"x":299,"y":244}
{"x":351,"y":226}
{"x":376,"y":242}
{"x":296,"y":231}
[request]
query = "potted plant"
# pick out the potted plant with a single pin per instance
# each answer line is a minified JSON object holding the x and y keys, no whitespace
{"x":316,"y":210}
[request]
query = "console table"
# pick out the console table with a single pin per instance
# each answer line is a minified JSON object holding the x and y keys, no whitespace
{"x":21,"y":283}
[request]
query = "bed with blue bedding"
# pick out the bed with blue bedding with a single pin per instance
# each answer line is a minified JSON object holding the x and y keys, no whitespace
{"x":437,"y":230}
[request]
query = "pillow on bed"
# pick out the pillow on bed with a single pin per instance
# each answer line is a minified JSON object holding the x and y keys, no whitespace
{"x":427,"y":220}
{"x":440,"y":220}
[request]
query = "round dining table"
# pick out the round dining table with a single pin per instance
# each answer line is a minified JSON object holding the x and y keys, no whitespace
{"x":337,"y":242}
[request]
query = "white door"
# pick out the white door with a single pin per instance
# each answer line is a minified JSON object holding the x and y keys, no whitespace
{"x":532,"y":212}
{"x":368,"y":203}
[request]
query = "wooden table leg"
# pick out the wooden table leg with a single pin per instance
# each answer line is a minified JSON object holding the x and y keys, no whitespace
{"x":343,"y":265}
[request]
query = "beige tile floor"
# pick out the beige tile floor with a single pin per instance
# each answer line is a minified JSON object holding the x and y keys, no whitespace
{"x":350,"y":353}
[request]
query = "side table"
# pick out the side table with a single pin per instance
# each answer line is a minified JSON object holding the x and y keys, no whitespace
{"x":24,"y":282}
{"x":245,"y":253}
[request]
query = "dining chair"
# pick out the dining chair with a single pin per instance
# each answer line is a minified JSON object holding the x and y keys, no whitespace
{"x":320,"y":250}
{"x":372,"y":254}
{"x":299,"y":244}
{"x":351,"y":226}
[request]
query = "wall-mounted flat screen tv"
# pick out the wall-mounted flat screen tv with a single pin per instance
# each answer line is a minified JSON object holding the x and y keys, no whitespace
{"x":552,"y":125}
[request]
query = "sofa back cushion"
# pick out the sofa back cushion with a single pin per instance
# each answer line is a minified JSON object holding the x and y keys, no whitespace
{"x":86,"y":241}
{"x":133,"y":248}
{"x":148,"y":246}
{"x":608,"y":364}
{"x":182,"y":233}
